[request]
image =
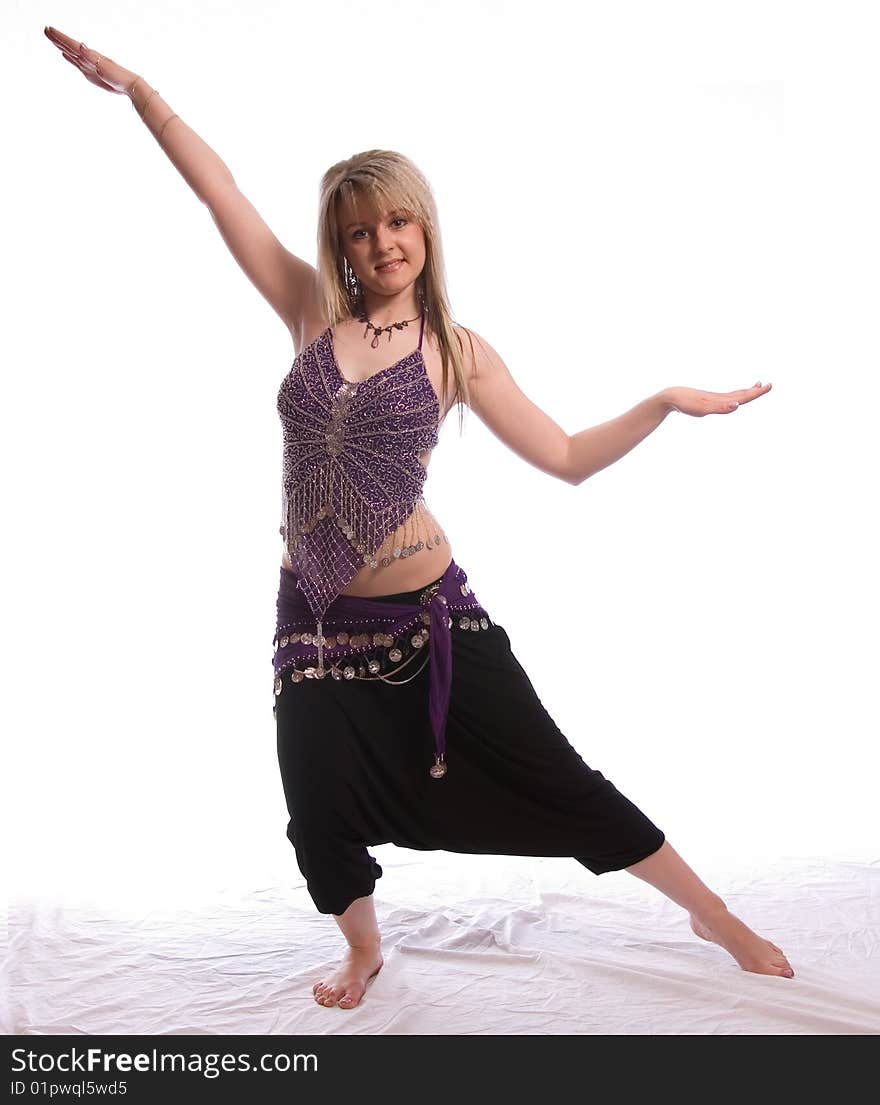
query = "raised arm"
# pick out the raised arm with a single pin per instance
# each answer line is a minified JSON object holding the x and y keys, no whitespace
{"x":285,"y":281}
{"x":534,"y":436}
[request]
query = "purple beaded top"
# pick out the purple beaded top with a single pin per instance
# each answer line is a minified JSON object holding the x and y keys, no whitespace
{"x":350,"y":468}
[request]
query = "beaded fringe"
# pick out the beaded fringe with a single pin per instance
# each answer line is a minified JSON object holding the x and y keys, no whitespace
{"x":353,"y":519}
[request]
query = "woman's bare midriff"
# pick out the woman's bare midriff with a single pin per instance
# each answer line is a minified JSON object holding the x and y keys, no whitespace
{"x":360,"y":361}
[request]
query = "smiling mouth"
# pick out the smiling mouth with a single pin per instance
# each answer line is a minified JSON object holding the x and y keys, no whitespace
{"x":389,"y":264}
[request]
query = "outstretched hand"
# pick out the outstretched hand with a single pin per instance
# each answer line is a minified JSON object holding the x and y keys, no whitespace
{"x":698,"y":403}
{"x":96,"y":68}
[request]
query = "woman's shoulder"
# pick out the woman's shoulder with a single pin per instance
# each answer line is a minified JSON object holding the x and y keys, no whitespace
{"x":466,"y":343}
{"x":470,"y":337}
{"x":476,"y":350}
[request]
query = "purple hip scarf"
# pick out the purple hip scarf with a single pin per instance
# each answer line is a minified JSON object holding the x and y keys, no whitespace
{"x":366,"y":638}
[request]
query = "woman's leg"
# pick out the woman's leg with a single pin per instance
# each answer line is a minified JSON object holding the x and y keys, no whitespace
{"x":320,"y":762}
{"x":339,"y":871}
{"x":709,"y":915}
{"x":345,"y":986}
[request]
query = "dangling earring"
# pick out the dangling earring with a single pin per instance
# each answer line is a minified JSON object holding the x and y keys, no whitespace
{"x":352,"y":286}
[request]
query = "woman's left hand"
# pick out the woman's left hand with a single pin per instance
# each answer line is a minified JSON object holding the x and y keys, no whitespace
{"x":698,"y":403}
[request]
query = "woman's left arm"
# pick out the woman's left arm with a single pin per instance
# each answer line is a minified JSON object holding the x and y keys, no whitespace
{"x":534,"y":436}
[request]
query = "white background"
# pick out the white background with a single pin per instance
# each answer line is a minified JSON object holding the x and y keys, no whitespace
{"x":631,"y":196}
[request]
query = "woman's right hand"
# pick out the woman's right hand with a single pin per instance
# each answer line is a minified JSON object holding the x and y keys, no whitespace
{"x":96,"y":68}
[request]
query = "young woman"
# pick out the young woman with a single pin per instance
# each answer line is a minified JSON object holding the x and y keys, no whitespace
{"x":402,"y":713}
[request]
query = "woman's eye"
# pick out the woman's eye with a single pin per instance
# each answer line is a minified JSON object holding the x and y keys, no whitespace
{"x":399,"y":219}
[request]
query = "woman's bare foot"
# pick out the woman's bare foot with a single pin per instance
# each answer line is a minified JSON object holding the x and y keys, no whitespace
{"x":752,"y":952}
{"x":346,"y":985}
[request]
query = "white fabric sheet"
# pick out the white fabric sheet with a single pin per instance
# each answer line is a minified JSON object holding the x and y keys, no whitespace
{"x":560,"y":951}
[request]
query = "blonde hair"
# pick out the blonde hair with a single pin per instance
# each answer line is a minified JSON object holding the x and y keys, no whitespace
{"x":388,"y":181}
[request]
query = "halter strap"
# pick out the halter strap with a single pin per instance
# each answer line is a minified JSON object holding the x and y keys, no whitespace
{"x":421,"y":331}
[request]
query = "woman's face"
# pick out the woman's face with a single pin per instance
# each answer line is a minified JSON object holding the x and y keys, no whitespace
{"x":370,"y":239}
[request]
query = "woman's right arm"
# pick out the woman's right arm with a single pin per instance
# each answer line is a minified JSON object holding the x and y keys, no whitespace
{"x":288,"y":283}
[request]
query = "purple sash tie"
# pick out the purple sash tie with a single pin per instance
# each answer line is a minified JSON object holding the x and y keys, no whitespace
{"x":450,"y":597}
